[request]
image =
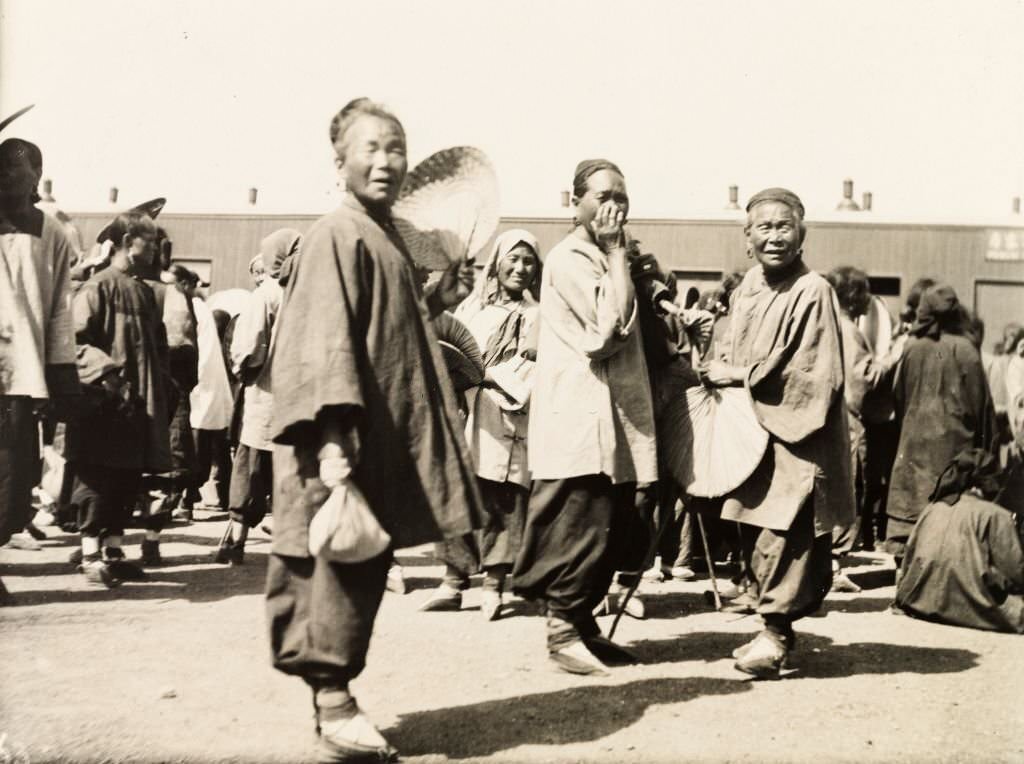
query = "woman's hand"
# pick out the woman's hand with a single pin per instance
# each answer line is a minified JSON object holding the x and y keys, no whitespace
{"x":718,"y":374}
{"x":456,"y":283}
{"x":607,"y":226}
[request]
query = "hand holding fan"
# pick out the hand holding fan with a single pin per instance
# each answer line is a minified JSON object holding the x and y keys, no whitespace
{"x":448,"y":208}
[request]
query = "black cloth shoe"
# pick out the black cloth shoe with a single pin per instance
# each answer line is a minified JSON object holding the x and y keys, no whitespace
{"x":151,"y":557}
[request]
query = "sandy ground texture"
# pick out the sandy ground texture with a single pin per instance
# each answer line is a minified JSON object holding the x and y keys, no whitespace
{"x":176,"y":669}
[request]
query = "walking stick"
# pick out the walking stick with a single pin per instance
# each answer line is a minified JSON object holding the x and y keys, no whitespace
{"x":710,"y":562}
{"x":648,"y":558}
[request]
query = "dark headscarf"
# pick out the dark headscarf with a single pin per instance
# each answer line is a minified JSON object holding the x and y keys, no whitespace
{"x":938,"y":311}
{"x":585,"y":169}
{"x":277,"y":248}
{"x":971,"y":468}
{"x":783,"y":195}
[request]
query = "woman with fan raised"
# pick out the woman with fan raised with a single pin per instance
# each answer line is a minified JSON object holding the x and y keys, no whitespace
{"x":785,"y":349}
{"x":591,"y":424}
{"x":500,"y":314}
{"x":361,"y":403}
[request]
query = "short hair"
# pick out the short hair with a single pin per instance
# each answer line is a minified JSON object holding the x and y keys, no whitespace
{"x":131,"y":224}
{"x":350,"y":114}
{"x":30,"y":151}
{"x":851,"y":286}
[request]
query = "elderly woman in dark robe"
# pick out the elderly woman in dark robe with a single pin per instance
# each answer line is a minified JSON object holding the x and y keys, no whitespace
{"x":964,"y":562}
{"x":785,"y":349}
{"x":361,"y":397}
{"x":943,"y":406}
{"x":500,"y":313}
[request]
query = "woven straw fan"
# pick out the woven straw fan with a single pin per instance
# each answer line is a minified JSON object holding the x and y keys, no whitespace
{"x":448,"y":208}
{"x":713,"y":440}
{"x":460,"y":351}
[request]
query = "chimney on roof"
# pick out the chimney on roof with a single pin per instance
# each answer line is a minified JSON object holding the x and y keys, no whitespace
{"x":113,"y":195}
{"x":253,"y":192}
{"x":1016,"y":205}
{"x":846,"y":204}
{"x":565,"y":198}
{"x":734,"y":198}
{"x":47,"y":190}
{"x":865,"y":203}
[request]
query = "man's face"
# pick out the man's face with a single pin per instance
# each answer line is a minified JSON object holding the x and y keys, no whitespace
{"x":142,"y":249}
{"x":603,"y":186}
{"x":773,"y":233}
{"x":18,"y":179}
{"x":373,"y":164}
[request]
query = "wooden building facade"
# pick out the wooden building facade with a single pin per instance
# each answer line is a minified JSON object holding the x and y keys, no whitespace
{"x":984,"y":264}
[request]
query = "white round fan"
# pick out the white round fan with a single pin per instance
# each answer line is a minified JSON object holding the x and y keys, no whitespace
{"x":712,"y":440}
{"x":448,"y":208}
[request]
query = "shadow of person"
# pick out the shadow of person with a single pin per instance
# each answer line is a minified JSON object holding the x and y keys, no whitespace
{"x":814,"y":656}
{"x":577,"y":714}
{"x":856,"y":605}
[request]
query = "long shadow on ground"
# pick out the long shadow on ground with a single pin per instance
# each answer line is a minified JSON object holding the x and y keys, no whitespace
{"x":572,"y":715}
{"x":815,"y":656}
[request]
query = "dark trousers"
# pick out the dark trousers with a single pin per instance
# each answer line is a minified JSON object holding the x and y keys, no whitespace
{"x":105,"y":497}
{"x":791,"y":570}
{"x":882,"y":444}
{"x":213,"y":459}
{"x":321,"y":616}
{"x":20,"y":466}
{"x":252,"y":480}
{"x":495,"y":547}
{"x":577,"y":534}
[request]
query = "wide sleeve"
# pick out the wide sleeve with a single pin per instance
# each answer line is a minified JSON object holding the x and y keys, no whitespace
{"x":92,"y":360}
{"x":318,"y":355}
{"x":794,"y":387}
{"x":251,"y":339}
{"x":588,"y":293}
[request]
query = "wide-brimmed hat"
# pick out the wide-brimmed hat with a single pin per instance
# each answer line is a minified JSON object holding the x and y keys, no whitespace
{"x":448,"y":207}
{"x":151,"y":208}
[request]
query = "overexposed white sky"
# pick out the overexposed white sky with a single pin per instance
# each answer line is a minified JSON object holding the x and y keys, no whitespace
{"x":197,"y":100}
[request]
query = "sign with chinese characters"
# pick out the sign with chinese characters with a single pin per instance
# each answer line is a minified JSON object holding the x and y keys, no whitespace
{"x":1005,"y":244}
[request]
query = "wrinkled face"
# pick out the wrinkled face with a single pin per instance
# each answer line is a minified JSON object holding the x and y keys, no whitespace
{"x":372,"y":162}
{"x":603,"y":186}
{"x":517,"y":269}
{"x":774,"y":235}
{"x":18,"y":179}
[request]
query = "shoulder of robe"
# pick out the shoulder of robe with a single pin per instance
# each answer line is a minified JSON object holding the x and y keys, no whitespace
{"x":814,"y":286}
{"x":566,"y":259}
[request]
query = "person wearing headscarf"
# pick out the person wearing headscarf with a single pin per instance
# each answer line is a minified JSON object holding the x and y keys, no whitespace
{"x":37,"y":346}
{"x":591,"y":425}
{"x":785,"y":349}
{"x":361,"y":400}
{"x":500,"y":313}
{"x":123,"y":363}
{"x":252,"y":474}
{"x":964,"y":562}
{"x":943,"y":406}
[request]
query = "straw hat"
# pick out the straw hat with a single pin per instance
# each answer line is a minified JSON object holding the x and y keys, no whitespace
{"x":448,"y":207}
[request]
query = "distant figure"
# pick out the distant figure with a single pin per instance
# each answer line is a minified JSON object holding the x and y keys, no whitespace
{"x":943,"y":406}
{"x":964,"y":562}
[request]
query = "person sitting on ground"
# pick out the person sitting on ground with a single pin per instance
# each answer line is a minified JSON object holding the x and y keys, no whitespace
{"x":964,"y":562}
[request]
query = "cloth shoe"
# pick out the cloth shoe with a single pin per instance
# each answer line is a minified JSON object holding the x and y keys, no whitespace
{"x":764,"y":657}
{"x":97,"y":573}
{"x":682,"y":573}
{"x":657,"y":574}
{"x":575,"y":658}
{"x":353,"y":739}
{"x":788,"y":641}
{"x":120,"y":568}
{"x":444,"y":599}
{"x":490,"y":604}
{"x":842,"y":583}
{"x":182,"y":514}
{"x":25,"y":542}
{"x":396,"y":579}
{"x":230,"y":554}
{"x":613,"y":601}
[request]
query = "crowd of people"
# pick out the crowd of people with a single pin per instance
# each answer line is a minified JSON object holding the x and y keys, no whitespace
{"x":515,"y":418}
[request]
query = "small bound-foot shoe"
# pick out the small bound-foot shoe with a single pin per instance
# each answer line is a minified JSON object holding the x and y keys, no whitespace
{"x":656,"y":574}
{"x":396,"y":580}
{"x":607,"y":651}
{"x":575,"y":658}
{"x":97,"y":573}
{"x":444,"y":598}
{"x":683,"y":573}
{"x":763,"y":658}
{"x":490,"y":604}
{"x":354,"y":739}
{"x":842,"y":583}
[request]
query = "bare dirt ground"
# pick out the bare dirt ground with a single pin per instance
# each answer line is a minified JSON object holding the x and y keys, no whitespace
{"x":176,"y":669}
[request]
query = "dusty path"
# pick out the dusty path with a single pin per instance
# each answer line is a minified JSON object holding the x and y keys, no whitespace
{"x":85,"y":671}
